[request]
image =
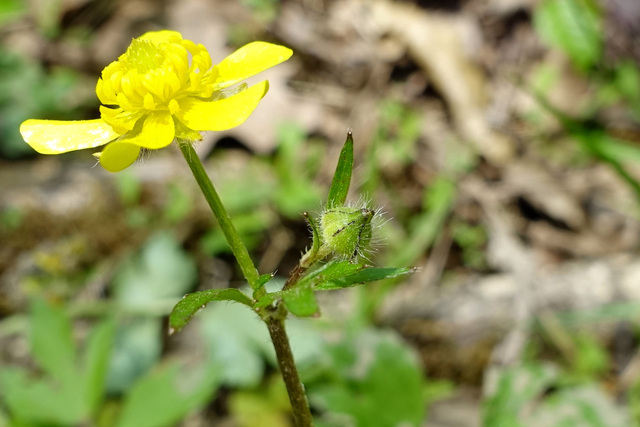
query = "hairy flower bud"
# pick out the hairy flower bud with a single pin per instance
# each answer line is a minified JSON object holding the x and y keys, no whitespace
{"x":347,"y":231}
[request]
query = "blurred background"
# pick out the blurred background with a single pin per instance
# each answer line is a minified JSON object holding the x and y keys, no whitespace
{"x":500,"y":137}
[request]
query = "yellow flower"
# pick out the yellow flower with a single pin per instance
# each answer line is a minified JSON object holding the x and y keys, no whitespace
{"x":163,"y":87}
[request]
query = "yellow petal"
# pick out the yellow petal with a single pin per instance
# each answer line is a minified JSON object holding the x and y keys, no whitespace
{"x":55,"y":136}
{"x":158,"y":37}
{"x":118,"y":155}
{"x":249,"y":60}
{"x":121,"y":121}
{"x":157,"y":131}
{"x":222,"y":114}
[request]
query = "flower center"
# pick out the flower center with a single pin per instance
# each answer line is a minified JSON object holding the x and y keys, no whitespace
{"x":154,"y":75}
{"x":142,"y":56}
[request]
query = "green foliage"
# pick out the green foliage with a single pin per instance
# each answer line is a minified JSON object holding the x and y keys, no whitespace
{"x":265,"y":10}
{"x":147,"y":283}
{"x":71,"y":386}
{"x":10,"y":218}
{"x":129,"y":187}
{"x":190,"y":304}
{"x":301,"y":301}
{"x":160,"y":272}
{"x":296,"y":192}
{"x":178,"y":205}
{"x":424,"y":228}
{"x":166,"y":395}
{"x":11,"y":10}
{"x":236,"y":339}
{"x":267,"y":406}
{"x":471,"y":239}
{"x":71,"y":389}
{"x":332,"y":275}
{"x":534,"y":394}
{"x":574,"y":26}
{"x":59,"y":94}
{"x":373,"y":380}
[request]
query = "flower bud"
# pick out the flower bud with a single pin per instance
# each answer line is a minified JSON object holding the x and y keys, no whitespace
{"x":346,"y":231}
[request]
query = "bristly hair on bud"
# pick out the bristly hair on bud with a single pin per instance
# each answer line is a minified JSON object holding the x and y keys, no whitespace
{"x":350,"y":232}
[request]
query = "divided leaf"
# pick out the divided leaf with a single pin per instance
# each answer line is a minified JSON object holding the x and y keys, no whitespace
{"x":166,"y":395}
{"x":190,"y":304}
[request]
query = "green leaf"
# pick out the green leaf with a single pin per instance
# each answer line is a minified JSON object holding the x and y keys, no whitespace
{"x":38,"y":402}
{"x":96,"y":362}
{"x":330,"y":271}
{"x":573,"y":26}
{"x":424,"y":229}
{"x":301,"y":301}
{"x":514,"y":388}
{"x":238,"y":340}
{"x":161,"y":271}
{"x":385,"y":391}
{"x":11,"y":10}
{"x":192,"y":303}
{"x":342,"y":177}
{"x":264,"y":279}
{"x":165,"y":396}
{"x":137,"y":347}
{"x":363,"y":276}
{"x":52,"y":341}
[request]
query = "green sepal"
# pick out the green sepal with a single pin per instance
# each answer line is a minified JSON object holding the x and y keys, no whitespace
{"x":342,"y":176}
{"x":366,"y":275}
{"x":315,"y":246}
{"x":190,"y":304}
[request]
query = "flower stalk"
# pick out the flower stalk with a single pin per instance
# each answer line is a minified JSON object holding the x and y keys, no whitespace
{"x":230,"y":233}
{"x":274,"y":319}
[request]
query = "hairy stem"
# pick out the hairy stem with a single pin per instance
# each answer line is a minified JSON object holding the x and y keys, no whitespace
{"x":230,"y":233}
{"x":295,"y":389}
{"x":275,"y":322}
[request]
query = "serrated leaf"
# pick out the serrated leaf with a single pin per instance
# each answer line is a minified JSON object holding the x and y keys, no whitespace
{"x":342,"y":177}
{"x":192,"y":303}
{"x":301,"y":301}
{"x":165,"y":396}
{"x":363,"y":276}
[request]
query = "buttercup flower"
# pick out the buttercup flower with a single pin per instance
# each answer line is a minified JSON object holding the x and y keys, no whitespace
{"x":163,"y":87}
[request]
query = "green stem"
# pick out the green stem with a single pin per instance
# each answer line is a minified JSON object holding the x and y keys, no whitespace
{"x":230,"y":233}
{"x":275,"y":320}
{"x":295,"y":389}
